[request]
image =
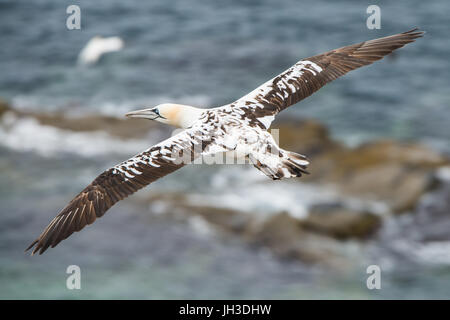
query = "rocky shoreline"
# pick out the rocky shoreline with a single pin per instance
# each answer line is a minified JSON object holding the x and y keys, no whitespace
{"x":394,"y":174}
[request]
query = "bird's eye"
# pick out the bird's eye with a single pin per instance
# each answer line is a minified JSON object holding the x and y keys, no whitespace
{"x":156,"y":110}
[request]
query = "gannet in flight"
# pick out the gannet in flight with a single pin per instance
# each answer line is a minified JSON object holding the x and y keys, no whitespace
{"x":97,"y":47}
{"x":240,"y":126}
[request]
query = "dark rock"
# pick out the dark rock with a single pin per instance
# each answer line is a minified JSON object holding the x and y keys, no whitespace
{"x":340,"y":222}
{"x":307,"y":137}
{"x":288,"y":238}
{"x":4,"y":106}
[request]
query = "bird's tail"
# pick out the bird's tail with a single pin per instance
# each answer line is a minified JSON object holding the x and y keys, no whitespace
{"x":296,"y":163}
{"x":286,"y":164}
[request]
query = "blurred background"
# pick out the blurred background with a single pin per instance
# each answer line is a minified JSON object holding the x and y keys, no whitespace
{"x":378,"y":140}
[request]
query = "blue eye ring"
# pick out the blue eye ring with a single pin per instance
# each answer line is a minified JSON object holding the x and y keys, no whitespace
{"x":156,"y":111}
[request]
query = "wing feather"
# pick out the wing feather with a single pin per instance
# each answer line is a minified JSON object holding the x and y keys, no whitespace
{"x":116,"y":184}
{"x":309,"y":75}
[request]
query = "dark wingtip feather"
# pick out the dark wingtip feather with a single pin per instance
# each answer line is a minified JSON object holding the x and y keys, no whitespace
{"x":31,"y":245}
{"x":415,"y":33}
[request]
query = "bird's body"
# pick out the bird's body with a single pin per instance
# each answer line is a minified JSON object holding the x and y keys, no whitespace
{"x":239,"y":128}
{"x":97,"y":47}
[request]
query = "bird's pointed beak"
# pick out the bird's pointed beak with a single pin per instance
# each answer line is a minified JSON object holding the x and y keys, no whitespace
{"x":144,"y":113}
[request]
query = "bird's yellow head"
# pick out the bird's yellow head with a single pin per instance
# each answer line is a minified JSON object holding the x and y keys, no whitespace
{"x":177,"y":115}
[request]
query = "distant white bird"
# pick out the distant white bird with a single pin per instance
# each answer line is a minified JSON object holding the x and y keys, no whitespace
{"x":240,"y":126}
{"x":98,"y":46}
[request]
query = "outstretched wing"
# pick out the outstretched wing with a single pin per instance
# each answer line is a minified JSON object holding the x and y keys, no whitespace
{"x":309,"y":75}
{"x":119,"y":182}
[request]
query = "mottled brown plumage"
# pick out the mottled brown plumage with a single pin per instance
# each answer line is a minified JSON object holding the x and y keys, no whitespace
{"x":269,"y":99}
{"x":118,"y":183}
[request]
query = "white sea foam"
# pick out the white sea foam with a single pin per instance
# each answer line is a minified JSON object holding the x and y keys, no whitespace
{"x":436,"y":252}
{"x":27,"y":134}
{"x":200,"y":226}
{"x":443,"y":173}
{"x":246,"y":190}
{"x":431,"y":252}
